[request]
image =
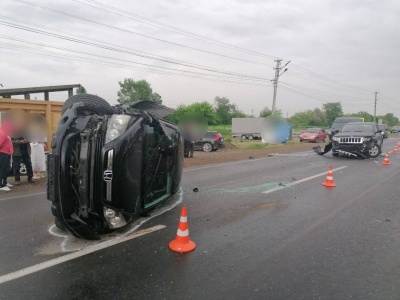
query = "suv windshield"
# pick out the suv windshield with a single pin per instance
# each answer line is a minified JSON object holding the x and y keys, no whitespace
{"x":358,"y":128}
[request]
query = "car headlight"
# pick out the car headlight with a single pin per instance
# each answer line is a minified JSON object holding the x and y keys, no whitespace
{"x":367,"y":139}
{"x":335,"y":139}
{"x":116,"y":126}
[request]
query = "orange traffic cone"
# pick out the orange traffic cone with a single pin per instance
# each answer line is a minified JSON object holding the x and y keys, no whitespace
{"x":182,"y":242}
{"x":396,"y":150}
{"x":386,"y":161}
{"x":329,"y":179}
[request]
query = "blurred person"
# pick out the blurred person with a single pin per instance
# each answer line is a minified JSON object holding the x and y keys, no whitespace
{"x":38,"y":158}
{"x":6,"y":150}
{"x":22,"y":153}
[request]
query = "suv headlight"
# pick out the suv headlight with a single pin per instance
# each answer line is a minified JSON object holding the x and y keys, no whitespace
{"x":335,"y":139}
{"x":116,"y":126}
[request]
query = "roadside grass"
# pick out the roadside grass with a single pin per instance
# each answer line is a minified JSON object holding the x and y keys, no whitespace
{"x":225,"y":130}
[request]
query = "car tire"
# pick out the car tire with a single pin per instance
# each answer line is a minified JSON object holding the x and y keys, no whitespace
{"x":376,"y":152}
{"x":251,"y":137}
{"x":243,"y":137}
{"x":207,"y":147}
{"x":90,"y":102}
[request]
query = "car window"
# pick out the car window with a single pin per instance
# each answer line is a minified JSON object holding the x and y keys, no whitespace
{"x":209,"y":135}
{"x":358,"y":128}
{"x":312,"y":130}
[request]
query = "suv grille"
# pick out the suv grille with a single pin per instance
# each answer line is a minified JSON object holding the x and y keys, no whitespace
{"x":351,"y":140}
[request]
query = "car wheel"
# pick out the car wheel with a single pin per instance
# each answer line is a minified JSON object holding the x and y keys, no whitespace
{"x":243,"y":137}
{"x":207,"y":147}
{"x":91,"y":103}
{"x":374,"y":151}
{"x":251,"y":137}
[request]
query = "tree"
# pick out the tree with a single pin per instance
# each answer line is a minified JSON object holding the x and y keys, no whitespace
{"x":389,"y":119}
{"x":308,"y":118}
{"x":132,"y":91}
{"x":196,"y":111}
{"x":332,"y":111}
{"x":155,"y":97}
{"x":362,"y":114}
{"x":81,"y":90}
{"x":223,"y":110}
{"x":265,"y":112}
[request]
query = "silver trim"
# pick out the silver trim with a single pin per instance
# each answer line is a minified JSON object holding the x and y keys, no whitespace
{"x":108,"y":174}
{"x":351,"y":140}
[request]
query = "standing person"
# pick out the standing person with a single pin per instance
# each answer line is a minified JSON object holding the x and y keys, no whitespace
{"x":38,"y":160}
{"x":6,"y":150}
{"x":22,"y":152}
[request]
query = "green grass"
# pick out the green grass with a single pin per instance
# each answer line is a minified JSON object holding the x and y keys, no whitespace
{"x":225,"y":130}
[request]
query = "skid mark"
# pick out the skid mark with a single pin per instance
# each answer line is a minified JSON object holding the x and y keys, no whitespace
{"x":66,"y":242}
{"x":249,"y":189}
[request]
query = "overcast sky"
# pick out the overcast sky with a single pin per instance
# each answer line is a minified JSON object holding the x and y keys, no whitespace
{"x":352,"y":48}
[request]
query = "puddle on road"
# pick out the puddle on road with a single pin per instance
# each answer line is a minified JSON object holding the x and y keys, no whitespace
{"x":66,"y":242}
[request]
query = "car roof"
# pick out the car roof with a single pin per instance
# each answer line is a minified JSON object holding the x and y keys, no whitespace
{"x":361,"y":123}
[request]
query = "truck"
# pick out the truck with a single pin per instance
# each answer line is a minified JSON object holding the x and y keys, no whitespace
{"x":247,"y":128}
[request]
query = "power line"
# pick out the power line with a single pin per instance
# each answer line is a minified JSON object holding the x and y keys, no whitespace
{"x":14,"y":47}
{"x":132,"y":32}
{"x":105,"y":46}
{"x":336,"y":96}
{"x":106,"y":57}
{"x":149,"y":21}
{"x":329,"y":79}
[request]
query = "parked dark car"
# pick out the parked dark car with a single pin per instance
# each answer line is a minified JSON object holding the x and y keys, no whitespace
{"x":360,"y":139}
{"x":110,"y":164}
{"x":211,"y":141}
{"x":395,"y":129}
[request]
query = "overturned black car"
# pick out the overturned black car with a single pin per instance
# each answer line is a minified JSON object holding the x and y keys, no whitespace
{"x":110,"y":164}
{"x":359,"y":139}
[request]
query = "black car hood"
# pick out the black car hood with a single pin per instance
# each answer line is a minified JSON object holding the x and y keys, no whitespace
{"x":354,"y":134}
{"x":155,"y":110}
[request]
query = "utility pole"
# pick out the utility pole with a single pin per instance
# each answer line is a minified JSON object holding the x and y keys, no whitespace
{"x":275,"y":80}
{"x":376,"y":96}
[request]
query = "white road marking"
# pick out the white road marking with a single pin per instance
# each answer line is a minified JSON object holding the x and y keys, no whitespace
{"x":71,"y":243}
{"x":74,"y":255}
{"x":22,"y":196}
{"x":300,"y":181}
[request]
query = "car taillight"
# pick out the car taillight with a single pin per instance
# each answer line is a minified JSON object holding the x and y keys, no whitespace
{"x":216,"y":137}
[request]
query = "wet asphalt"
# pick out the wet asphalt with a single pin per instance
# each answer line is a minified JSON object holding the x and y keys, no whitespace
{"x":300,"y":241}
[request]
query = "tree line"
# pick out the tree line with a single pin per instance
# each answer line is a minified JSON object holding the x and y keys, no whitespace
{"x":223,"y":110}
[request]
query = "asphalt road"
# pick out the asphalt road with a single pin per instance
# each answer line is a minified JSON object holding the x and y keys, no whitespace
{"x":264,"y":229}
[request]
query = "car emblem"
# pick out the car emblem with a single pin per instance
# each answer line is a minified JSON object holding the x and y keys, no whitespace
{"x":108,"y":175}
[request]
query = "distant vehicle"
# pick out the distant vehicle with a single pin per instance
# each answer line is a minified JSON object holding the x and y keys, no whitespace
{"x":395,"y":129}
{"x":313,"y":135}
{"x":338,"y":123}
{"x":359,"y":139}
{"x":211,"y":141}
{"x":247,"y":128}
{"x":385,"y":130}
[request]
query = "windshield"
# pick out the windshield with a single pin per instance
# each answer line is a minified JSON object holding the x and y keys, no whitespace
{"x":358,"y":128}
{"x":338,"y":125}
{"x":312,"y":130}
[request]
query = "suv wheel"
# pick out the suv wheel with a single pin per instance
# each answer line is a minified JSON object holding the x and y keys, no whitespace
{"x":207,"y":147}
{"x":374,"y":151}
{"x":251,"y":137}
{"x":243,"y":137}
